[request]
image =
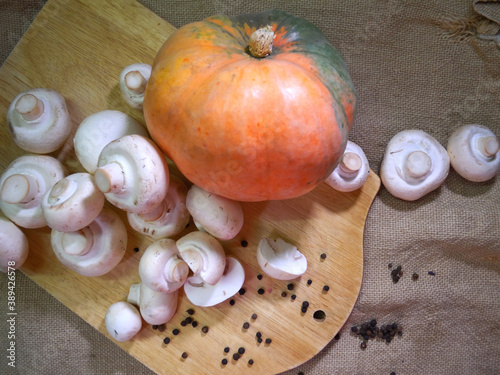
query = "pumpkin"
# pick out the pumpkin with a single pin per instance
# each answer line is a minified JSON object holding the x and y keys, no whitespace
{"x":246,"y":126}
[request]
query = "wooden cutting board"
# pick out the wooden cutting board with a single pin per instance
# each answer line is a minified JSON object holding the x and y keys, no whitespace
{"x":79,"y":48}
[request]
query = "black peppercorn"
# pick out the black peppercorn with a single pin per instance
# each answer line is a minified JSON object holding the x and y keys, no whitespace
{"x":303,"y":309}
{"x":261,"y":291}
{"x":389,"y":265}
{"x":195,"y":323}
{"x":242,"y":291}
{"x":250,"y":362}
{"x":241,"y":350}
{"x":363,"y":345}
{"x":259,"y":276}
{"x":326,"y":288}
{"x":309,"y":282}
{"x":162,"y":327}
{"x":231,"y":302}
{"x":258,"y":334}
{"x":283,"y":294}
{"x":354,"y":329}
{"x":254,"y":316}
{"x":166,"y":340}
{"x":305,"y":304}
{"x":244,"y":243}
{"x":290,"y":286}
{"x":236,"y":356}
{"x":373,"y":322}
{"x":175,"y":332}
{"x":155,"y":326}
{"x":136,"y":249}
{"x":184,"y":355}
{"x":431,"y":273}
{"x":293,"y":296}
{"x":188,"y":320}
{"x":190,"y":311}
{"x":259,"y":340}
{"x":224,"y":361}
{"x":268,"y":341}
{"x":226,"y":349}
{"x":414,"y":277}
{"x":323,"y":256}
{"x":204,"y":329}
{"x":246,"y":325}
{"x":183,"y":323}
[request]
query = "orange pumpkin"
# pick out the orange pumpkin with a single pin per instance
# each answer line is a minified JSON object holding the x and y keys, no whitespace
{"x":251,"y":128}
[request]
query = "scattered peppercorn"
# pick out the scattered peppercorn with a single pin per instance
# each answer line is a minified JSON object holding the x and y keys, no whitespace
{"x":396,"y":274}
{"x":244,"y":243}
{"x":259,"y":276}
{"x":190,"y":311}
{"x":259,"y":340}
{"x":258,"y":334}
{"x":373,"y":322}
{"x":231,"y":302}
{"x":326,"y":288}
{"x":369,"y":330}
{"x":283,"y":294}
{"x":392,"y":373}
{"x":246,"y":325}
{"x":414,"y":277}
{"x":166,"y":340}
{"x":293,"y":296}
{"x":300,"y":373}
{"x":162,"y":327}
{"x":188,"y":320}
{"x":155,"y":326}
{"x":261,"y":291}
{"x":363,"y":345}
{"x":226,"y":349}
{"x":194,"y":323}
{"x":224,"y":361}
{"x":183,"y":323}
{"x":389,"y":265}
{"x":242,"y":291}
{"x":268,"y":341}
{"x":250,"y":362}
{"x":204,"y":329}
{"x":323,"y":256}
{"x":303,"y":309}
{"x":289,"y":286}
{"x":184,"y":355}
{"x":175,"y":332}
{"x":309,"y":282}
{"x":431,"y":273}
{"x":354,"y":329}
{"x":236,"y":356}
{"x":241,"y":350}
{"x":254,"y":316}
{"x":136,"y":249}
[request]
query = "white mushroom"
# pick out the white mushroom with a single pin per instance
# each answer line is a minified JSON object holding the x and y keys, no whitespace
{"x":123,"y":321}
{"x":280,"y":260}
{"x":99,"y":129}
{"x":94,"y":250}
{"x":133,"y":174}
{"x":155,"y":307}
{"x":474,"y":152}
{"x":352,"y":171}
{"x":133,"y":81}
{"x":14,"y":246}
{"x":38,"y":120}
{"x":219,"y":216}
{"x":204,"y":255}
{"x":72,"y":203}
{"x":22,"y":186}
{"x":161,"y":268}
{"x":210,"y":295}
{"x":167,"y":219}
{"x":414,"y":164}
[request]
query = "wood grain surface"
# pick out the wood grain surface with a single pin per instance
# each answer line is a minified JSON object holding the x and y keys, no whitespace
{"x":79,"y":48}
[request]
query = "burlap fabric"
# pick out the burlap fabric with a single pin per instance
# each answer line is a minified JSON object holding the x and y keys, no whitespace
{"x":415,"y":64}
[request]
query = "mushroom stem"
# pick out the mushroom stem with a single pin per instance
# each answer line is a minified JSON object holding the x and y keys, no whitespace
{"x":193,"y":259}
{"x":261,"y":42}
{"x":110,"y":178}
{"x":19,"y":188}
{"x":134,"y":294}
{"x":418,"y":164}
{"x":176,"y":270}
{"x":155,"y":213}
{"x":62,"y":190}
{"x":29,"y":107}
{"x":135,"y":82}
{"x":77,"y":243}
{"x":488,"y":146}
{"x":350,"y":165}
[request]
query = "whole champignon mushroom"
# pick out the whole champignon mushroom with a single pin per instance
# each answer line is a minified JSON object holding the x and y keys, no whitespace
{"x":22,"y":186}
{"x":123,"y":321}
{"x":99,"y":129}
{"x":204,"y":255}
{"x":155,"y":307}
{"x":14,"y":246}
{"x":414,"y":164}
{"x":219,"y":216}
{"x":161,"y":268}
{"x":133,"y":174}
{"x":280,"y":260}
{"x":352,"y":171}
{"x":133,"y":81}
{"x":72,"y":203}
{"x":94,"y":250}
{"x":38,"y":120}
{"x":230,"y":283}
{"x":474,"y":152}
{"x":167,"y":219}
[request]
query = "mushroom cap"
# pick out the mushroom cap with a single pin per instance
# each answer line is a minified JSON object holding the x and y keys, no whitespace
{"x":99,"y":129}
{"x":345,"y":181}
{"x":14,"y":246}
{"x":169,"y":218}
{"x":46,"y":133}
{"x":280,"y":260}
{"x":155,"y":307}
{"x":161,"y":268}
{"x":142,"y":169}
{"x":219,"y":216}
{"x":414,"y":164}
{"x":210,"y":295}
{"x":134,"y":97}
{"x":470,"y":156}
{"x":123,"y":321}
{"x":37,"y":173}
{"x":72,"y":203}
{"x":94,"y":250}
{"x":204,"y":255}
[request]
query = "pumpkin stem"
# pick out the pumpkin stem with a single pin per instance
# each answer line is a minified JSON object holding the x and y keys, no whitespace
{"x":261,"y":42}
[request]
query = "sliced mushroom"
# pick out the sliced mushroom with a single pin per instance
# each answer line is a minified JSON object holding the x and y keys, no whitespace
{"x":155,"y":307}
{"x":133,"y":80}
{"x":167,"y":219}
{"x":72,"y":203}
{"x":204,"y":255}
{"x":219,"y":216}
{"x":123,"y":321}
{"x":203,"y":294}
{"x":38,"y":120}
{"x":474,"y":152}
{"x":352,"y":172}
{"x":161,"y":269}
{"x":280,"y":260}
{"x":99,"y":129}
{"x":22,"y":186}
{"x":414,"y":164}
{"x":14,"y":246}
{"x":94,"y":250}
{"x":133,"y":174}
